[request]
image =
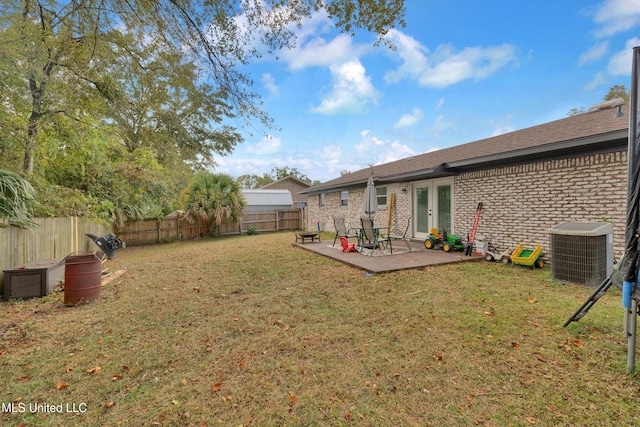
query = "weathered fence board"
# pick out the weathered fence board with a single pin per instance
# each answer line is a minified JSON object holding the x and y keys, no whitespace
{"x":53,"y":238}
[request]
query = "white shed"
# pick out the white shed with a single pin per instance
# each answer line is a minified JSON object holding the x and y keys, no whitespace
{"x":267,"y":200}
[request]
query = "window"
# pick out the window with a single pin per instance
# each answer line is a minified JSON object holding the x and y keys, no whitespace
{"x":321,"y":200}
{"x":381,"y":192}
{"x":344,"y":198}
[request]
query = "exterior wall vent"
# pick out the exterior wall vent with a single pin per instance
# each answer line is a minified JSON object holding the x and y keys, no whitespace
{"x":582,"y":252}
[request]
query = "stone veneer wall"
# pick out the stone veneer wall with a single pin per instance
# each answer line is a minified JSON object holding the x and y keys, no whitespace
{"x":520,"y":203}
{"x":353,"y":211}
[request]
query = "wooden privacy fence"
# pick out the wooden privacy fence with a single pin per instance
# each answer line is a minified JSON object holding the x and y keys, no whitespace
{"x":153,"y":231}
{"x":53,"y":238}
{"x":289,"y":219}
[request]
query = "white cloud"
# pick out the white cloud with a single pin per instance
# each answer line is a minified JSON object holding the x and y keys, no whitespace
{"x":500,"y":128}
{"x":398,"y":151}
{"x":321,"y":53}
{"x":599,"y":80}
{"x":367,"y":143}
{"x":412,"y":54}
{"x":352,"y":91}
{"x":594,"y":54}
{"x":445,"y":66}
{"x":620,"y":64}
{"x":373,"y":150}
{"x":407,"y":120}
{"x":616,"y":16}
{"x":440,"y":103}
{"x":236,"y":166}
{"x":269,"y":83}
{"x":331,"y":152}
{"x":440,"y":126}
{"x":267,"y":145}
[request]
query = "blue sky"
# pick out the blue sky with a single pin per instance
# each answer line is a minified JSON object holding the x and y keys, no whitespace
{"x":462,"y":71}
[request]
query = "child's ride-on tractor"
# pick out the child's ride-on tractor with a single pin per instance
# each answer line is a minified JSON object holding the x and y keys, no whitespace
{"x":448,"y":242}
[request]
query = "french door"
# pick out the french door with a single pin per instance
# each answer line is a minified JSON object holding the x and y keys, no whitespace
{"x":432,"y":205}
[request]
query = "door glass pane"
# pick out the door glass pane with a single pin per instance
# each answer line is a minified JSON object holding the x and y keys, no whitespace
{"x":444,"y":207}
{"x":422,"y":210}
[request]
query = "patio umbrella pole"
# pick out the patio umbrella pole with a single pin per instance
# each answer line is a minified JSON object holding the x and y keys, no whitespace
{"x":370,"y":199}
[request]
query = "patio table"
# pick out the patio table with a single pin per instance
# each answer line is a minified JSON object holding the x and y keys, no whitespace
{"x":302,"y":235}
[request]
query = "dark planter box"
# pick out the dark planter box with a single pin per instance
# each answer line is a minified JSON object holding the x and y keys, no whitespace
{"x":32,"y":280}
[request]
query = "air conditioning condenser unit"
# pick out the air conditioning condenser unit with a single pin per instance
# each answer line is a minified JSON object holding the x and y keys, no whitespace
{"x":582,"y":252}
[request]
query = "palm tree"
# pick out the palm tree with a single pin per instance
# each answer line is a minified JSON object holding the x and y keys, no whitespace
{"x":15,"y":195}
{"x":214,"y":198}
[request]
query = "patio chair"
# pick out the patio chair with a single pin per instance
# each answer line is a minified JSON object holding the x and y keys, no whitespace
{"x":370,"y":238}
{"x":341,"y":229}
{"x":401,"y":235}
{"x":346,"y":246}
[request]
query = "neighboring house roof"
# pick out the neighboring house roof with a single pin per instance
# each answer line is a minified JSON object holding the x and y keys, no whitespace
{"x":591,"y":132}
{"x":268,"y":197}
{"x":287,"y":178}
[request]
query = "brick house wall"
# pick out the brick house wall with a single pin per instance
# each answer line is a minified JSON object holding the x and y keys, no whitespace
{"x":520,"y":203}
{"x":353,"y":211}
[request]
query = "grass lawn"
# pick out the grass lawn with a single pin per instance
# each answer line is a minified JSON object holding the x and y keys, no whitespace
{"x":250,"y":331}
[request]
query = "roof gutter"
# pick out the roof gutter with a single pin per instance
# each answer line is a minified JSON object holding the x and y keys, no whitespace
{"x":332,"y":188}
{"x":539,"y":150}
{"x":435,"y":172}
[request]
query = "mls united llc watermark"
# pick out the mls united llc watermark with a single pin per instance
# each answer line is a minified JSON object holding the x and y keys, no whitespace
{"x":43,"y":408}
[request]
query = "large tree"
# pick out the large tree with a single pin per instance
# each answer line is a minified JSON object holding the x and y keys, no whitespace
{"x":165,"y":70}
{"x":615,"y":92}
{"x":214,"y":198}
{"x":277,"y":173}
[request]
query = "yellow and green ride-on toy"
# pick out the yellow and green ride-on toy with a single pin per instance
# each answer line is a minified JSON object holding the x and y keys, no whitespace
{"x":448,"y":242}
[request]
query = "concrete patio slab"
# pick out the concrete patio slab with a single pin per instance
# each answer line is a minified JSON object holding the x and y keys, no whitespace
{"x":401,"y":259}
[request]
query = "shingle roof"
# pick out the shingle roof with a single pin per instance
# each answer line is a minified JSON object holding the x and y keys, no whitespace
{"x":287,"y":178}
{"x":595,"y":131}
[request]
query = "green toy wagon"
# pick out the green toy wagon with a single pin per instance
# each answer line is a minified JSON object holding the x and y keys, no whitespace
{"x":528,"y":257}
